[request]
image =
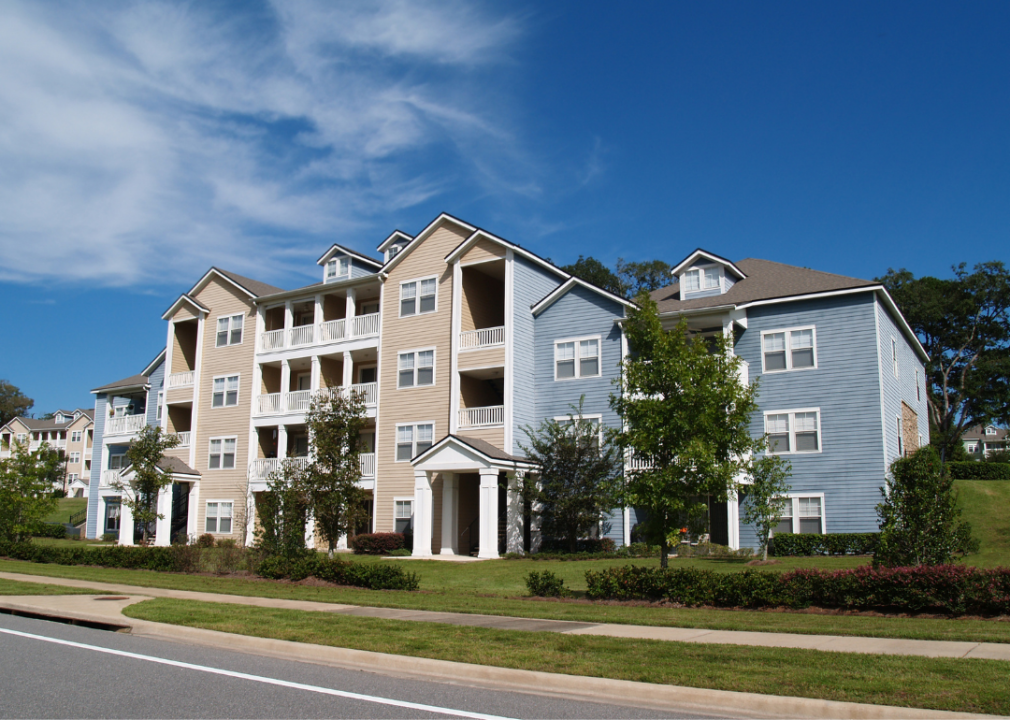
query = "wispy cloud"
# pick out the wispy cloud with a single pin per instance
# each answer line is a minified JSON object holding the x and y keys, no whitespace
{"x":141,"y":142}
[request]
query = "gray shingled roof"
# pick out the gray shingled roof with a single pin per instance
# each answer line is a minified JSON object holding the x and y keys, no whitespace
{"x":766,"y":280}
{"x":256,"y":287}
{"x":35,"y":424}
{"x":175,"y":465}
{"x":486,"y":448}
{"x":131,"y":381}
{"x":978,"y":433}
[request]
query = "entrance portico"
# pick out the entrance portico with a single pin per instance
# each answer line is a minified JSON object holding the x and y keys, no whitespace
{"x":174,"y":505}
{"x":457,"y":459}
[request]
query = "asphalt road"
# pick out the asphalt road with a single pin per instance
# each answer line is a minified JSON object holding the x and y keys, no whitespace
{"x":52,"y":670}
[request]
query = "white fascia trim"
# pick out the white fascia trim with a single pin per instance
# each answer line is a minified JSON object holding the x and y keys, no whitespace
{"x":334,"y":249}
{"x":492,"y":462}
{"x":154,"y":363}
{"x":393,"y":237}
{"x":183,"y":298}
{"x":464,"y":246}
{"x":214,"y":271}
{"x":686,"y":262}
{"x":422,"y":236}
{"x":310,"y":291}
{"x":559,"y":291}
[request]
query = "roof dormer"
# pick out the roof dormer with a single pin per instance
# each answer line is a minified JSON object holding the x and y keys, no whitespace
{"x":340,"y":263}
{"x":703,"y":274}
{"x":391,"y":246}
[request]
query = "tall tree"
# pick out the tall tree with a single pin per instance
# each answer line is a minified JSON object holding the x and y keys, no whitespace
{"x":766,"y":497}
{"x":141,"y":494}
{"x":638,"y":276}
{"x":579,"y":479}
{"x":281,"y":512}
{"x":330,"y":482}
{"x":26,"y":489}
{"x":13,"y":402}
{"x":964,"y":326}
{"x":593,"y":271}
{"x":686,"y":415}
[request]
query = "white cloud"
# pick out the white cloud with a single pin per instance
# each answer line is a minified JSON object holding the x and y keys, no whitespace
{"x":142,"y":142}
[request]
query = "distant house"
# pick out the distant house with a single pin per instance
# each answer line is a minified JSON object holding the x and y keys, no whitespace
{"x":981,"y":442}
{"x":71,"y":431}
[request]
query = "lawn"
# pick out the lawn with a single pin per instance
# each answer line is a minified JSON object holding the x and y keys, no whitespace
{"x":66,"y":508}
{"x":984,"y":504}
{"x":935,"y":683}
{"x":13,"y":587}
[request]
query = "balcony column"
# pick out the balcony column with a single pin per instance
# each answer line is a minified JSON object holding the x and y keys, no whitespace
{"x":285,"y":383}
{"x":310,"y":531}
{"x":125,"y":525}
{"x":348,"y":379}
{"x":514,"y":525}
{"x":315,"y":374}
{"x":488,"y":514}
{"x":450,"y":514}
{"x":422,"y":514}
{"x":257,"y":385}
{"x":250,"y":514}
{"x":282,"y":442}
{"x":317,"y":315}
{"x":352,"y":299}
{"x":163,"y":526}
{"x":192,"y":522}
{"x":289,"y":319}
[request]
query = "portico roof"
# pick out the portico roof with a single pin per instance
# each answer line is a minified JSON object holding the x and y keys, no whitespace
{"x":460,"y":453}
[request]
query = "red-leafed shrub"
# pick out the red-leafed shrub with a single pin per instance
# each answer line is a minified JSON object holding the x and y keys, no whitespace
{"x":377,"y":543}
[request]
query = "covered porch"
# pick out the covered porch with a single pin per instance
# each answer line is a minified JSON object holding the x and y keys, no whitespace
{"x":177,"y":504}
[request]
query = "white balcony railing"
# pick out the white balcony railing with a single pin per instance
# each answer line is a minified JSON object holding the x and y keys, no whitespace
{"x":272,"y":340}
{"x":61,"y":443}
{"x":125,"y":424}
{"x":332,"y":330}
{"x":634,"y":463}
{"x":181,"y":379}
{"x":302,"y":335}
{"x":268,"y":403}
{"x":367,"y":461}
{"x":369,"y":392}
{"x":297,"y":401}
{"x":261,"y":468}
{"x":365,"y":325}
{"x":482,"y":416}
{"x":183,"y":438}
{"x":109,"y":478}
{"x":483,"y":338}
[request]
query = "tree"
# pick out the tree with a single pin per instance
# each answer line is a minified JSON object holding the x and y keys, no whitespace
{"x":964,"y":326}
{"x":636,"y":277}
{"x":766,"y":497}
{"x":593,"y":271}
{"x":281,"y":511}
{"x":686,"y":415}
{"x":579,"y":476}
{"x":919,"y":519}
{"x":141,"y":494}
{"x":330,"y":482}
{"x":26,"y":490}
{"x":13,"y":403}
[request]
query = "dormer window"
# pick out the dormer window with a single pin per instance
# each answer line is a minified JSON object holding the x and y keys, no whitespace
{"x":697,"y":279}
{"x":692,"y":281}
{"x":394,"y":250}
{"x":991,"y":431}
{"x":338,"y":268}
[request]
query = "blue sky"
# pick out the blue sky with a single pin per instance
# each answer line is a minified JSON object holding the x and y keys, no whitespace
{"x":142,"y":142}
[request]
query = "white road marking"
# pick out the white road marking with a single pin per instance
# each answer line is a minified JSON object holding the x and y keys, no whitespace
{"x":260,"y":678}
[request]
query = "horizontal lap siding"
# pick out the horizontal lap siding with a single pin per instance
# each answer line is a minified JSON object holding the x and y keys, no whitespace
{"x":901,"y":388}
{"x":845,"y":387}
{"x":157,"y":383}
{"x":101,"y":413}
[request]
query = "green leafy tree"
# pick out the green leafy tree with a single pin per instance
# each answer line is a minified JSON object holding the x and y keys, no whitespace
{"x":281,"y":511}
{"x":330,"y":482}
{"x":636,"y":277}
{"x":13,"y":402}
{"x":919,"y":519}
{"x":580,"y":477}
{"x":766,"y":496}
{"x":146,"y":451}
{"x":593,"y":271}
{"x":26,"y":490}
{"x":964,"y":326}
{"x":686,"y":414}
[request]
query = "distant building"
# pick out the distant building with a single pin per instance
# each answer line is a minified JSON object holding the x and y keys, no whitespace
{"x":981,"y":442}
{"x":71,"y":431}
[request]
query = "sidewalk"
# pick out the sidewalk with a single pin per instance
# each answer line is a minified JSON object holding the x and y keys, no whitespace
{"x":833,"y":643}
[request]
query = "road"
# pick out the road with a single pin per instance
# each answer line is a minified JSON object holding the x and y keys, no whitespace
{"x":52,"y":670}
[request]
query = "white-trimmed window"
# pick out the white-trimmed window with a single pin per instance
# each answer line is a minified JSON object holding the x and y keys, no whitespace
{"x":793,"y":431}
{"x":161,"y":402}
{"x":403,"y":514}
{"x":118,"y":462}
{"x":21,"y":437}
{"x":221,"y":454}
{"x":901,"y":439}
{"x":802,"y":515}
{"x":412,"y":440}
{"x":229,"y":330}
{"x":338,"y":267}
{"x":415,"y":368}
{"x":991,"y":431}
{"x":894,"y":356}
{"x":971,"y":446}
{"x":418,"y":296}
{"x":577,"y":358}
{"x":225,"y":392}
{"x":789,"y":349}
{"x":112,"y":517}
{"x":72,"y":477}
{"x":218,"y":517}
{"x":595,"y":420}
{"x":918,"y":388}
{"x":75,"y":458}
{"x":702,"y":278}
{"x":75,"y":436}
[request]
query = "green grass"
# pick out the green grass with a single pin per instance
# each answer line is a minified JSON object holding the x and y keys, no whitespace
{"x":67,"y":542}
{"x":13,"y":587}
{"x":984,"y":504}
{"x":934,"y":683}
{"x":65,"y":508}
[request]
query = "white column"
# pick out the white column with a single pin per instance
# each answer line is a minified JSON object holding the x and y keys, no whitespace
{"x":450,"y":514}
{"x":289,"y":320}
{"x":352,"y":298}
{"x":192,"y":523}
{"x":535,"y":508}
{"x":514,"y":499}
{"x":317,"y":314}
{"x":125,"y":525}
{"x":488,"y":513}
{"x":261,"y":325}
{"x":315,"y":374}
{"x":733,"y":521}
{"x":250,"y":516}
{"x":282,"y":441}
{"x":457,"y":293}
{"x":310,"y":531}
{"x":627,"y":526}
{"x":163,"y":526}
{"x":422,"y":514}
{"x":348,"y":379}
{"x":285,"y":383}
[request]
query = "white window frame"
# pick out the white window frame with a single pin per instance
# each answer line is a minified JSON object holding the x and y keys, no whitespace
{"x":894,"y":356}
{"x":21,"y":437}
{"x":416,"y":353}
{"x":598,"y":417}
{"x":218,"y":516}
{"x":336,"y":262}
{"x":72,"y":477}
{"x":161,"y":404}
{"x":74,"y":457}
{"x":918,"y":389}
{"x":221,"y":453}
{"x":901,"y":437}
{"x":396,"y":516}
{"x":788,"y":332}
{"x":794,"y":498}
{"x":578,"y":358}
{"x":991,"y":431}
{"x":792,"y":432}
{"x":231,"y":329}
{"x":413,"y":438}
{"x":704,"y":271}
{"x":224,"y":399}
{"x":76,"y":435}
{"x":417,"y":296}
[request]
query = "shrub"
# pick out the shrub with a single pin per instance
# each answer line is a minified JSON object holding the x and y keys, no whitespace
{"x":205,"y":541}
{"x":972,"y":470}
{"x":340,"y":572}
{"x":52,"y":530}
{"x":712,"y":550}
{"x":227,"y":543}
{"x":560,"y":546}
{"x":833,"y":544}
{"x":377,"y":543}
{"x":110,"y":537}
{"x":59,"y":493}
{"x":545,"y":584}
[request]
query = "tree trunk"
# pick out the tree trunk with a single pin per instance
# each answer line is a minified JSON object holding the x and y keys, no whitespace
{"x":664,"y":556}
{"x":329,"y":551}
{"x":764,"y":555}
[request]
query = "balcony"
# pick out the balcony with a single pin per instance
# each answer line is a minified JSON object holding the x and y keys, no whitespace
{"x":481,"y":417}
{"x":269,"y":404}
{"x":367,"y":461}
{"x":301,"y":400}
{"x":261,"y":468}
{"x":301,"y":335}
{"x":110,"y":478}
{"x":183,"y":439}
{"x":125,"y":424}
{"x":332,"y":331}
{"x":635,"y":463}
{"x":181,"y":379}
{"x":359,"y":326}
{"x":483,"y":338}
{"x":298,"y":401}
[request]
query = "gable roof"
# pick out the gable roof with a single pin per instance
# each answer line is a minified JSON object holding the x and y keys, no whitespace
{"x":158,"y":359}
{"x":482,"y":447}
{"x":252,"y":288}
{"x":700,"y":253}
{"x":132,"y":381}
{"x":394,"y":237}
{"x":431,"y":227}
{"x":978,"y":433}
{"x":347,"y":251}
{"x":557,"y":293}
{"x":183,"y":298}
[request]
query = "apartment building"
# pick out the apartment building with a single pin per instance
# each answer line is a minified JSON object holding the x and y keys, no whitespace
{"x":981,"y":442}
{"x":71,"y":431}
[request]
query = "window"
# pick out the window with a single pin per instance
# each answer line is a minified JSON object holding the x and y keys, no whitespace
{"x":791,"y":349}
{"x":338,"y":267}
{"x":222,"y":454}
{"x":75,"y":436}
{"x":22,"y":437}
{"x":692,"y":281}
{"x":416,"y":369}
{"x":72,"y":477}
{"x":918,"y":390}
{"x":596,"y":421}
{"x":161,"y":400}
{"x":403,"y":514}
{"x":75,"y":457}
{"x":417,"y":296}
{"x":990,"y":431}
{"x":577,"y":358}
{"x":971,"y":447}
{"x":802,"y":515}
{"x":218,"y":517}
{"x":696,"y":279}
{"x":793,"y":431}
{"x":225,"y":391}
{"x":901,"y":440}
{"x":118,"y":462}
{"x":711,"y":279}
{"x":411,"y":440}
{"x":894,"y":356}
{"x":112,"y":517}
{"x":229,"y":330}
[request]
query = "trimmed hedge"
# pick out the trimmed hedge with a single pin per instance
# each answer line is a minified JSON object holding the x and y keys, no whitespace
{"x":52,"y":530}
{"x":833,"y":544}
{"x":972,"y":470}
{"x":161,"y":559}
{"x":588,"y":545}
{"x":947,"y":589}
{"x":377,"y":543}
{"x":372,"y":576}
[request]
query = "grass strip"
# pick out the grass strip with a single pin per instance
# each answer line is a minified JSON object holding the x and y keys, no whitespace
{"x":14,"y":587}
{"x":459,"y":600}
{"x":930,"y":683}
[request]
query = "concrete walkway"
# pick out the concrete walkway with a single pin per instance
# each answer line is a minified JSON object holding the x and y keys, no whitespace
{"x":85,"y":608}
